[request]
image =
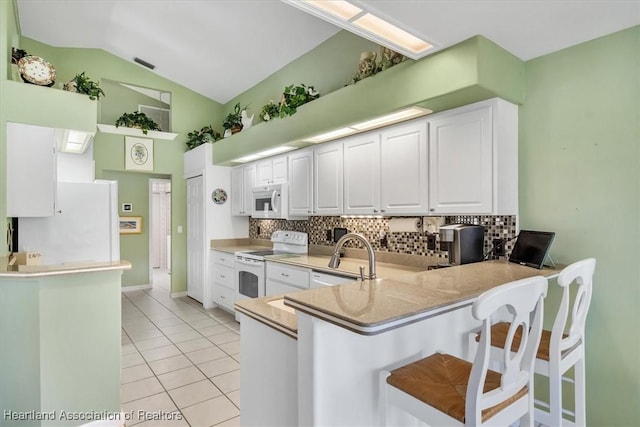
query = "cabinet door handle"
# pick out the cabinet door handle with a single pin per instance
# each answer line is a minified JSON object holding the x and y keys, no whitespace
{"x":382,"y":210}
{"x":375,"y":210}
{"x":222,"y":297}
{"x":223,"y":276}
{"x":308,"y":211}
{"x":431,"y":210}
{"x":284,"y":275}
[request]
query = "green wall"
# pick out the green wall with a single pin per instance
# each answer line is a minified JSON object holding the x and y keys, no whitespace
{"x":133,"y":187}
{"x":122,"y":99}
{"x":579,"y":166}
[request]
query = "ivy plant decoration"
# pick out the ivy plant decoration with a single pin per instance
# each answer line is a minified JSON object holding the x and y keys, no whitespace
{"x":202,"y":136}
{"x":270,"y":111}
{"x":137,"y":120}
{"x":294,"y":96}
{"x":82,"y":84}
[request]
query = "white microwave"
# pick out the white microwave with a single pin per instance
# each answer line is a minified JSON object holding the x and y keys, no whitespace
{"x":270,"y":201}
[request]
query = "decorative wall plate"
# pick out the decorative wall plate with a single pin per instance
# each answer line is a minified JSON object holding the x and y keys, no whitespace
{"x":219,"y":196}
{"x":37,"y":71}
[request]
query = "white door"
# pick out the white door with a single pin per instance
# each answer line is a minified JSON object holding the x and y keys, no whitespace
{"x":327,"y":173}
{"x":196,"y":248}
{"x":460,"y":163}
{"x":362,"y":174}
{"x":300,"y":183}
{"x":403,"y":169}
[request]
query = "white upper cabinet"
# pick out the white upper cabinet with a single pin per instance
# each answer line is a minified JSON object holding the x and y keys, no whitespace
{"x":327,"y":179}
{"x":264,"y":172}
{"x":403,"y":169}
{"x":385,"y":172}
{"x":31,"y":171}
{"x":271,"y":171}
{"x":300,"y":183}
{"x":243,"y":179}
{"x":362,"y":174}
{"x":473,"y":160}
{"x":280,"y":170}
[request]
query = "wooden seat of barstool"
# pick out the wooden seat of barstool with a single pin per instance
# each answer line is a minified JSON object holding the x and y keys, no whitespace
{"x":499,"y":337}
{"x":441,"y":381}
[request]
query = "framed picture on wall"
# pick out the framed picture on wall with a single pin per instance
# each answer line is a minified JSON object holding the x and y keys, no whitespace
{"x":130,"y":225}
{"x":138,"y":155}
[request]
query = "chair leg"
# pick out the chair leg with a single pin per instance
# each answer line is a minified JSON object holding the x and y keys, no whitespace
{"x":555,"y":396}
{"x":579,"y":393}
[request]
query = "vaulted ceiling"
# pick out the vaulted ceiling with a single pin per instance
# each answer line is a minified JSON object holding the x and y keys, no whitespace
{"x":220,"y":48}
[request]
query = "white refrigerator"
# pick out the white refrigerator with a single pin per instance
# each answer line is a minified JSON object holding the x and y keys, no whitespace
{"x":85,"y":226}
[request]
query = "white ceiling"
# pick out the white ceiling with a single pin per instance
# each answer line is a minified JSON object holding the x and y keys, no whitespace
{"x":220,"y":48}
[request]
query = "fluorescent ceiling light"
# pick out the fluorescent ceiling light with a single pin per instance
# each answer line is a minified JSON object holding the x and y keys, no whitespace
{"x":390,"y":32}
{"x":331,"y":135}
{"x":398,"y":116}
{"x":339,"y":8}
{"x":73,"y":141}
{"x":276,"y":150}
{"x":366,"y":23}
{"x":262,"y":154}
{"x":388,"y":119}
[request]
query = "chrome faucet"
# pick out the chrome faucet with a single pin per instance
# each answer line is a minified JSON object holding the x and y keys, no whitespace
{"x":334,"y":262}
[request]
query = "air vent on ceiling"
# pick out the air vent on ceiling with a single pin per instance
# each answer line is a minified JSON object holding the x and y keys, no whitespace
{"x":144,"y":63}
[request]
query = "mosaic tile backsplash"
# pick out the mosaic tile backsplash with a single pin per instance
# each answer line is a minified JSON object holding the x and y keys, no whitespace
{"x":376,"y":230}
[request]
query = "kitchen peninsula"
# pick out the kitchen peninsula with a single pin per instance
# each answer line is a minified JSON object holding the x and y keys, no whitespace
{"x":347,"y":334}
{"x":60,"y":340}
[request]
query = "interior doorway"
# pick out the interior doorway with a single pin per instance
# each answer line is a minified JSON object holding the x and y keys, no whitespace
{"x":160,"y":233}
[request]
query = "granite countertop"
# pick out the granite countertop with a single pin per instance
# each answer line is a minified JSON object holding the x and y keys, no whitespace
{"x":236,"y":245}
{"x":348,"y":266}
{"x":272,"y":312}
{"x":31,"y":271}
{"x":375,"y":306}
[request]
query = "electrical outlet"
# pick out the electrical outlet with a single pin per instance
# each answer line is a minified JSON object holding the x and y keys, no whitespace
{"x":258,"y":230}
{"x":431,"y":242}
{"x":499,"y":247}
{"x":329,"y":236}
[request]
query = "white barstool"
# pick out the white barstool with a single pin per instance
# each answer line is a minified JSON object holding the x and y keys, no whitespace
{"x":444,"y":390}
{"x":562,"y":347}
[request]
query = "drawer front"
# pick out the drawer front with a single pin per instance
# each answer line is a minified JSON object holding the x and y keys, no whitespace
{"x":224,"y":276}
{"x":294,"y":276}
{"x":278,"y":288}
{"x":224,"y":296}
{"x":224,"y":258}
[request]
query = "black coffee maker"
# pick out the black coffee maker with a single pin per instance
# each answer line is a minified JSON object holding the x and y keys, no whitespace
{"x":464,"y":242}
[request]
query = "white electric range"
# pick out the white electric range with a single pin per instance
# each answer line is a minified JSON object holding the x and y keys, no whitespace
{"x":250,"y":265}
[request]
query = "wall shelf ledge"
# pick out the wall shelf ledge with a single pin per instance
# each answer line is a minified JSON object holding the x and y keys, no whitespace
{"x":136,"y":132}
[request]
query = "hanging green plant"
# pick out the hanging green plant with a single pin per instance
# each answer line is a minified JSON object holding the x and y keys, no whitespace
{"x":269,"y":111}
{"x":294,"y":96}
{"x":82,"y":84}
{"x":137,"y":120}
{"x":202,"y":136}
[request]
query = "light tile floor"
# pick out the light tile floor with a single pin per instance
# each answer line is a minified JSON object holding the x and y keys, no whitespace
{"x":179,"y":362}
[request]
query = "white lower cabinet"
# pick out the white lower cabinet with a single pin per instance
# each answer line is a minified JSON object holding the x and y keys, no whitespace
{"x":282,"y":278}
{"x":223,"y":279}
{"x":473,"y":160}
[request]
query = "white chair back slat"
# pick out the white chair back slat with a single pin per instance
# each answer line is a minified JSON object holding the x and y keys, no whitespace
{"x":524,"y":300}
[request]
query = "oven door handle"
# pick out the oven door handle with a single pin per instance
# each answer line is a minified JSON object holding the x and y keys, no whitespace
{"x":247,"y":261}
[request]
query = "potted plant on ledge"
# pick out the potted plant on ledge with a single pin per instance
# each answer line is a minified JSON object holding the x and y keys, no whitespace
{"x":137,"y":120}
{"x":233,"y":122}
{"x":202,"y":136}
{"x":82,"y":84}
